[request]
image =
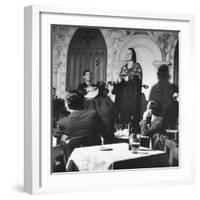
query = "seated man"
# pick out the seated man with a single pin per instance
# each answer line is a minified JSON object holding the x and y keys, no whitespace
{"x":58,"y":107}
{"x":152,"y":125}
{"x":87,"y":88}
{"x":80,"y":122}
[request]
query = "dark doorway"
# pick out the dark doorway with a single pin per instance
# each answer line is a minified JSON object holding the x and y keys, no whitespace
{"x":87,"y":50}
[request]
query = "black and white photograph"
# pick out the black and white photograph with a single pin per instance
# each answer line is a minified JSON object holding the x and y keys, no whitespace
{"x":100,"y":99}
{"x":115,"y":98}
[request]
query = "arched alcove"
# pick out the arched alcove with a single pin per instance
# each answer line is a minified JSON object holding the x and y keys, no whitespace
{"x":147,"y":51}
{"x":87,"y":50}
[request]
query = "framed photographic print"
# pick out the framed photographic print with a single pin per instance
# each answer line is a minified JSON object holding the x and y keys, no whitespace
{"x":106,"y":99}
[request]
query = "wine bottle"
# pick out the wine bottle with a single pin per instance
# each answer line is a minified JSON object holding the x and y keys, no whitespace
{"x":131,"y":131}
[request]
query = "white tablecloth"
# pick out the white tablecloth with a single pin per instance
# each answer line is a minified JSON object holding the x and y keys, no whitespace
{"x":103,"y":158}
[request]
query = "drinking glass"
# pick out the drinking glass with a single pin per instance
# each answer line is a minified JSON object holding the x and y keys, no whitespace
{"x":134,"y":143}
{"x":118,"y":129}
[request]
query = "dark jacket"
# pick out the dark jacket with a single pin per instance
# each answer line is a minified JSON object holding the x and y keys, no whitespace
{"x":156,"y":126}
{"x":155,"y":130}
{"x":162,"y":92}
{"x":82,"y":123}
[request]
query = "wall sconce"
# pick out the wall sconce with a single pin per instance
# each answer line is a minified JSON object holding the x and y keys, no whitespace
{"x":96,"y":63}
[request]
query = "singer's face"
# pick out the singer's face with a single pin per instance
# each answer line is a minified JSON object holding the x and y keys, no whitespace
{"x":129,"y":55}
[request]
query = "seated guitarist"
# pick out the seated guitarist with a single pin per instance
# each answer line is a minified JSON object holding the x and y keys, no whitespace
{"x":86,"y":87}
{"x":101,"y":103}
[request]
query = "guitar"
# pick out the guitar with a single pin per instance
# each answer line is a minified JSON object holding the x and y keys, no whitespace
{"x":92,"y":92}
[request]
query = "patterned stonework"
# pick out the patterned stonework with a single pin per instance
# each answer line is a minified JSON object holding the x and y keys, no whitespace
{"x":115,"y":41}
{"x":61,"y":37}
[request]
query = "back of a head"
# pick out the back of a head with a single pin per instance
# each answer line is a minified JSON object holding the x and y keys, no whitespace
{"x":155,"y":107}
{"x":163,"y":72}
{"x":74,"y":100}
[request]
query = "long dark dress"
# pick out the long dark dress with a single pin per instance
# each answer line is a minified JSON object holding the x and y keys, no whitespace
{"x":128,"y":94}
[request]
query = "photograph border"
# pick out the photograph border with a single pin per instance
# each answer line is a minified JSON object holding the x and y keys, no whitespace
{"x":34,"y":179}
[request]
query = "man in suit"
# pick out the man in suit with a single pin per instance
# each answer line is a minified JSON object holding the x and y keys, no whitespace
{"x":58,"y":107}
{"x":80,"y":122}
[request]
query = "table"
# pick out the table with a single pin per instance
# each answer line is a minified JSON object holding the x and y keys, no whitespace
{"x":114,"y":156}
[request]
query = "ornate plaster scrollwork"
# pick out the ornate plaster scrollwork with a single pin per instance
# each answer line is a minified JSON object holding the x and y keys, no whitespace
{"x":56,"y":66}
{"x":117,"y":37}
{"x":163,"y":41}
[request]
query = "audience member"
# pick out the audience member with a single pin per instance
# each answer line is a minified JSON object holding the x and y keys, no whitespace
{"x":80,"y":122}
{"x":152,"y":125}
{"x":58,"y":107}
{"x":163,"y":91}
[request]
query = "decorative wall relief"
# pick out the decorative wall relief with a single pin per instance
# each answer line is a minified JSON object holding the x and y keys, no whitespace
{"x":166,"y":40}
{"x":61,"y":37}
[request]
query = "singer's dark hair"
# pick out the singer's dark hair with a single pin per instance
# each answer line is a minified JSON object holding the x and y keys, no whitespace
{"x":133,"y":54}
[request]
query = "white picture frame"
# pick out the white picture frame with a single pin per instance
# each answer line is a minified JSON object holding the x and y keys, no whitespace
{"x":37,"y":168}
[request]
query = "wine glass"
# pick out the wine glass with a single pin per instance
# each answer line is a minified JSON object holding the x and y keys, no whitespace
{"x":118,"y":128}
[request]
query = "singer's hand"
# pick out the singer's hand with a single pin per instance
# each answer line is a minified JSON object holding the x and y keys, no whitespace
{"x":126,"y":78}
{"x":119,"y":79}
{"x":147,"y":114}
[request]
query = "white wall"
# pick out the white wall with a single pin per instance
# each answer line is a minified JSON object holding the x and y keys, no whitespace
{"x":11,"y":51}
